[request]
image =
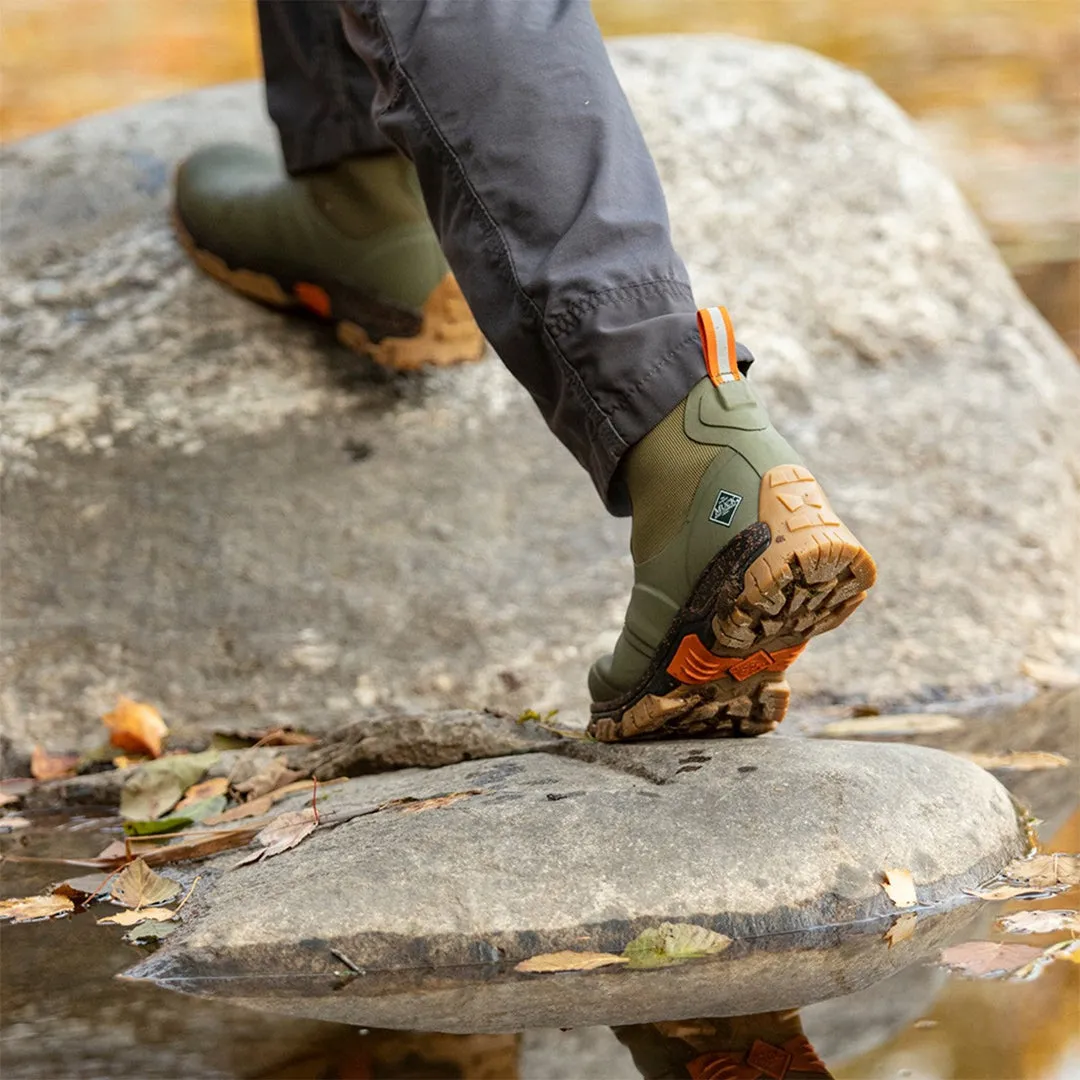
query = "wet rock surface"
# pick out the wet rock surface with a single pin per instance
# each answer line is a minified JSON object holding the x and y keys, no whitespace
{"x":219,"y":510}
{"x":385,"y":913}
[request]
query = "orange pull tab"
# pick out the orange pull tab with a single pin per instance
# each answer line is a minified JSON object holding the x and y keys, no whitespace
{"x":712,"y":322}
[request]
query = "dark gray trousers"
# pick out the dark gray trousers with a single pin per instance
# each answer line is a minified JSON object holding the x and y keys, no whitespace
{"x":538,"y":182}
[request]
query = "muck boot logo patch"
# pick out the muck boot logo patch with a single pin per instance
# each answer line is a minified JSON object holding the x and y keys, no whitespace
{"x":723,"y":511}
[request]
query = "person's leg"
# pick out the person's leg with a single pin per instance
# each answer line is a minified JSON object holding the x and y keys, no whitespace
{"x":339,"y":227}
{"x":550,"y":212}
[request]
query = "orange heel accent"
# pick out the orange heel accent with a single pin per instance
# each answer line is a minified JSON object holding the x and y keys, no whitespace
{"x":694,"y":664}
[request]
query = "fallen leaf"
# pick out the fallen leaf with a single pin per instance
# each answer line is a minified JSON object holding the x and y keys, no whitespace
{"x":987,"y":959}
{"x":1002,"y":892}
{"x":80,"y":890}
{"x":7,"y":800}
{"x":437,"y":802}
{"x":205,"y":789}
{"x":923,"y":1025}
{"x":569,"y":960}
{"x":1040,"y":922}
{"x":46,"y":766}
{"x":261,"y":805}
{"x":1045,"y":871}
{"x":138,"y":886}
{"x":1053,"y":676}
{"x":200,"y":847}
{"x":899,"y":885}
{"x":150,"y":931}
{"x":671,"y":942}
{"x":902,"y":929}
{"x":136,"y":727}
{"x":130,"y":918}
{"x":1065,"y":950}
{"x":156,"y":827}
{"x":29,"y":908}
{"x":156,"y":787}
{"x":13,"y":822}
{"x":272,"y":776}
{"x":896,"y":724}
{"x":1022,"y":761}
{"x":284,"y":832}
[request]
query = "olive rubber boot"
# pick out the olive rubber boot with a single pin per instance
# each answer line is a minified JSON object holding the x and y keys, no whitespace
{"x":739,"y":560}
{"x":352,"y":244}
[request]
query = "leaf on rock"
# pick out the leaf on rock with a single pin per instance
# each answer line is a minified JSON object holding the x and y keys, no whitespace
{"x":1045,"y":871}
{"x":150,"y":931}
{"x":568,"y":960}
{"x":902,"y":929}
{"x":899,"y":885}
{"x":6,"y":799}
{"x":989,"y":959}
{"x":1040,"y":922}
{"x":272,"y":776}
{"x":157,"y":826}
{"x":156,"y":787}
{"x":136,"y":727}
{"x":130,"y":918}
{"x":1052,"y":676}
{"x":205,"y":789}
{"x":138,"y":886}
{"x":284,"y":832}
{"x":438,"y":802}
{"x":897,"y":724}
{"x":46,"y":766}
{"x":30,"y":908}
{"x":669,"y":943}
{"x":13,"y":822}
{"x":1022,"y":761}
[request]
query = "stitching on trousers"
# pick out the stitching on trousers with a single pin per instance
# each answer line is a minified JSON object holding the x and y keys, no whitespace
{"x":566,"y":320}
{"x":622,"y":393}
{"x":492,"y":226}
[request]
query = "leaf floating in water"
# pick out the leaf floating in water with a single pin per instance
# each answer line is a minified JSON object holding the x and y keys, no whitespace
{"x":46,"y":766}
{"x":1045,"y":871}
{"x":1003,"y":892}
{"x":138,"y":886}
{"x":1040,"y":922}
{"x":131,"y":918}
{"x":899,"y":885}
{"x":989,"y":959}
{"x":902,"y":929}
{"x":157,"y":786}
{"x":30,"y":908}
{"x":897,"y":724}
{"x":149,"y":931}
{"x":568,"y":960}
{"x":1022,"y":761}
{"x":671,"y":942}
{"x":284,"y":832}
{"x":136,"y":727}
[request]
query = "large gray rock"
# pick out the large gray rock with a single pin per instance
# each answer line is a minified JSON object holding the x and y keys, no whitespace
{"x":185,"y":520}
{"x":384,"y":919}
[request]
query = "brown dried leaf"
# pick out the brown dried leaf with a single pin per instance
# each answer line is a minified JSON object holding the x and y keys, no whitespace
{"x":988,"y":959}
{"x":1045,"y":871}
{"x":1001,"y":892}
{"x":13,"y":822}
{"x":210,"y":843}
{"x":205,"y":789}
{"x":261,"y":805}
{"x":899,"y":885}
{"x":1053,"y":676}
{"x":902,"y":929}
{"x":1021,"y":761}
{"x":284,"y":832}
{"x":7,"y":800}
{"x":130,"y":918}
{"x":138,"y":886}
{"x":568,"y":960}
{"x":29,"y":908}
{"x":896,"y":724}
{"x":136,"y":727}
{"x":271,"y":777}
{"x":1040,"y":922}
{"x":438,"y":802}
{"x":46,"y":766}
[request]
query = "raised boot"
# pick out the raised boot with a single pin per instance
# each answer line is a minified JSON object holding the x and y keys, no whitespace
{"x":351,"y":244}
{"x":739,"y":561}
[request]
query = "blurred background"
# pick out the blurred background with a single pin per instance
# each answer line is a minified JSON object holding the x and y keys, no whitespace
{"x":994,"y":85}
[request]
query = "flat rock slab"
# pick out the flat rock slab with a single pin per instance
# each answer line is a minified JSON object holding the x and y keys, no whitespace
{"x":778,"y":843}
{"x":218,"y":509}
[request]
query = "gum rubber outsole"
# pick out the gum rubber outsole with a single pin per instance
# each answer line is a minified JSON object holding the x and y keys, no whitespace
{"x":446,"y":335}
{"x":719,"y":670}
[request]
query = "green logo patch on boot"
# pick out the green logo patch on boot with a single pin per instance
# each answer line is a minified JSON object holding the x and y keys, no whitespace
{"x":723,"y":511}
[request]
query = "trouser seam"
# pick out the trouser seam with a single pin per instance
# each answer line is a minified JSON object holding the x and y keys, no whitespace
{"x":567,"y":319}
{"x":609,"y":433}
{"x":626,"y":393}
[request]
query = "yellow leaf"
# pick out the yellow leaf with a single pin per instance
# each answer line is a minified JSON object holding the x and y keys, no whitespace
{"x":671,"y":942}
{"x":138,"y":915}
{"x":568,"y":960}
{"x":28,"y":908}
{"x":1045,"y":871}
{"x":1022,"y":761}
{"x":902,"y":929}
{"x":46,"y":766}
{"x":900,"y":887}
{"x":206,"y":789}
{"x":138,"y":886}
{"x":136,"y":727}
